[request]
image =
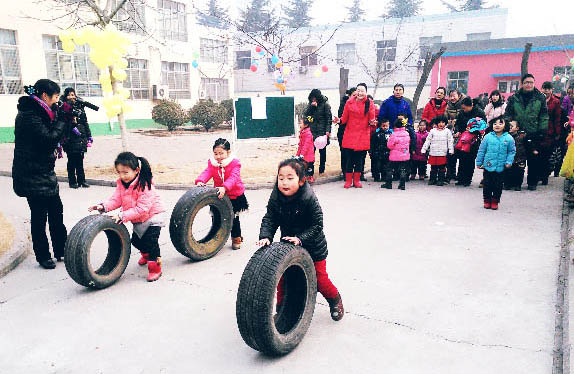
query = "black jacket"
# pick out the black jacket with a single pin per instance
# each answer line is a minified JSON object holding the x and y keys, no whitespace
{"x":379,"y":147}
{"x":322,"y":117}
{"x":299,"y":215}
{"x":75,"y":143}
{"x":463,"y":118}
{"x":36,"y":140}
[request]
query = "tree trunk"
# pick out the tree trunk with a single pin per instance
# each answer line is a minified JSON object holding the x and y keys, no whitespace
{"x":121,"y":119}
{"x":525,"y":55}
{"x":427,"y":68}
{"x":343,"y":81}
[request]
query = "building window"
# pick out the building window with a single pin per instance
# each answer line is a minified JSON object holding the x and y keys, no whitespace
{"x":478,"y":36}
{"x":71,"y":69}
{"x":212,"y":50}
{"x":176,"y":76}
{"x":426,"y":43}
{"x":172,"y":20}
{"x":242,"y":60}
{"x":10,"y":79}
{"x":308,"y":56}
{"x":214,"y":89}
{"x":386,"y":50}
{"x":138,"y":79}
{"x":563,"y":72}
{"x":346,"y":54}
{"x":130,"y":17}
{"x":508,"y":86}
{"x":457,"y":80}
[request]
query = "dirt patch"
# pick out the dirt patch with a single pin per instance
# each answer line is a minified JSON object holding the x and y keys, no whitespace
{"x":6,"y":235}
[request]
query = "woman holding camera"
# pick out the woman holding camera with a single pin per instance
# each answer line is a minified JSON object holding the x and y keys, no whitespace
{"x":38,"y":130}
{"x":78,"y":139}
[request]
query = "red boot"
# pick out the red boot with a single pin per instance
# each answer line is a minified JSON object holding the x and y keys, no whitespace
{"x":143,"y":260}
{"x":487,"y":204}
{"x":154,"y":268}
{"x":348,"y":180}
{"x":494,"y":204}
{"x":357,"y":180}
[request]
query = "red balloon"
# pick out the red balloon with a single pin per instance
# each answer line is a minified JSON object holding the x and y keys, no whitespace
{"x":253,"y":68}
{"x":258,"y":49}
{"x":325,"y":68}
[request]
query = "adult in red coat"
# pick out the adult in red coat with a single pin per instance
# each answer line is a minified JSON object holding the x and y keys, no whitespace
{"x":435,"y":107}
{"x":359,"y":114}
{"x":554,"y":129}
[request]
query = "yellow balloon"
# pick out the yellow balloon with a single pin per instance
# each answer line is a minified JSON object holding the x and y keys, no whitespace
{"x":80,"y":37}
{"x":317,"y":73}
{"x":122,"y":63}
{"x":286,"y":70}
{"x":68,"y":47}
{"x":119,"y":74}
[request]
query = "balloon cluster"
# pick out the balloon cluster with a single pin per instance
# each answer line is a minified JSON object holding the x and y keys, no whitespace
{"x":563,"y":79}
{"x":195,"y":56}
{"x":107,"y":50}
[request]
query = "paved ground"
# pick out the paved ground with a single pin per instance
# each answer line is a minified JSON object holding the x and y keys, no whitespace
{"x":431,"y":281}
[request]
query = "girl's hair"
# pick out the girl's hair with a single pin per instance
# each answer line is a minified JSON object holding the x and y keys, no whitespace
{"x":424,"y":121}
{"x":438,"y":119}
{"x":223,"y":143}
{"x":398,"y":123}
{"x":41,"y":86}
{"x":307,"y":121}
{"x":501,"y":118}
{"x":500,"y":98}
{"x":368,"y":102}
{"x":296,"y":163}
{"x":132,"y":161}
{"x":441,"y":88}
{"x":67,"y":91}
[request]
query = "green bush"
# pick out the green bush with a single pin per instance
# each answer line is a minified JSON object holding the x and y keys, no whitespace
{"x":207,"y":114}
{"x":169,"y":113}
{"x":300,"y":108}
{"x":226,"y":107}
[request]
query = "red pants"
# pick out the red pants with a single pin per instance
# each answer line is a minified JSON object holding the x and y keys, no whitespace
{"x":324,"y":284}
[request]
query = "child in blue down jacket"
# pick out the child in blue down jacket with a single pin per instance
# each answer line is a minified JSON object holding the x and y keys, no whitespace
{"x":496,"y":153}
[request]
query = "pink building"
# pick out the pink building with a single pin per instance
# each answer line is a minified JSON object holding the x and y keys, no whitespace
{"x":485,"y":65}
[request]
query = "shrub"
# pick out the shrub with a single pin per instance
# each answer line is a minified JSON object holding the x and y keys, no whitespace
{"x":300,"y":108}
{"x":206,"y":113}
{"x":169,"y":113}
{"x":226,"y":108}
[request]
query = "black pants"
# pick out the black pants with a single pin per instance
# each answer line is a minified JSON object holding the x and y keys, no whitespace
{"x":514,"y":176}
{"x":535,"y":168}
{"x":236,"y":228}
{"x":545,"y":168}
{"x":76,"y":167}
{"x":149,"y":242}
{"x":355,"y":161}
{"x":401,"y":168}
{"x":465,"y":167}
{"x":379,"y":166}
{"x":42,"y":208}
{"x":340,"y":134}
{"x":322,"y":159}
{"x":451,"y":166}
{"x":492,"y":185}
{"x":558,"y":165}
{"x":420,"y":167}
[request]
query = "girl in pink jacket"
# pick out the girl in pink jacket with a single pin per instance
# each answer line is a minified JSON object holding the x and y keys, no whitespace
{"x":141,"y":205}
{"x":307,"y":148}
{"x":399,"y":143}
{"x":226,"y":173}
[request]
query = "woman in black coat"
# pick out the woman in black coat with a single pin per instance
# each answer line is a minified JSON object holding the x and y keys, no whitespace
{"x":320,"y":109}
{"x":37,"y":134}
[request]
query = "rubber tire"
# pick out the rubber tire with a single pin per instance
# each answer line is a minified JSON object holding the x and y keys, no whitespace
{"x":183,"y":215}
{"x":255,"y":307}
{"x":77,"y":251}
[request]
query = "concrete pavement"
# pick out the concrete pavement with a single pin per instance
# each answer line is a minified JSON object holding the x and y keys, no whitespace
{"x":431,"y":282}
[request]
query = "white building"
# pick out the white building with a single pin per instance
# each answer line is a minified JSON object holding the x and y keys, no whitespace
{"x":391,"y":50}
{"x":161,"y":56}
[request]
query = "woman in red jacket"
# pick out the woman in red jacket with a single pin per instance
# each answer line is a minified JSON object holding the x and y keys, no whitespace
{"x":435,"y":107}
{"x":359,"y":114}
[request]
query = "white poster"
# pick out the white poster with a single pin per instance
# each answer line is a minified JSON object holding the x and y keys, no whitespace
{"x":258,"y":108}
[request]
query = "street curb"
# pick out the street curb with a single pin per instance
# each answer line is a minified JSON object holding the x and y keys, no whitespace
{"x":561,"y":352}
{"x":20,"y":248}
{"x":161,"y":186}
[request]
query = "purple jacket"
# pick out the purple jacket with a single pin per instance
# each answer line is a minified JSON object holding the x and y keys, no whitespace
{"x":399,"y":143}
{"x":567,"y":104}
{"x":421,"y":138}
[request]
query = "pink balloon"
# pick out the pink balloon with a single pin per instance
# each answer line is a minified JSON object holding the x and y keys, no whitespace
{"x":325,"y":68}
{"x":253,"y":68}
{"x":258,"y":49}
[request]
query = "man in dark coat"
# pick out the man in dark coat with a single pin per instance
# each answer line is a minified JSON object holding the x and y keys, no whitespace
{"x":320,"y":110}
{"x":37,"y":133}
{"x":76,"y":143}
{"x":528,"y":108}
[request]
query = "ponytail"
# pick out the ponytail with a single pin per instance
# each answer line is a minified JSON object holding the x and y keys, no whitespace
{"x":133,"y":162}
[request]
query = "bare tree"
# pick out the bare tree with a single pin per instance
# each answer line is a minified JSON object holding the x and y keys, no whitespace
{"x":427,"y":68}
{"x":525,"y":56}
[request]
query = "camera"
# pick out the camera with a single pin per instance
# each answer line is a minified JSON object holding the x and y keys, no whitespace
{"x":81,"y":103}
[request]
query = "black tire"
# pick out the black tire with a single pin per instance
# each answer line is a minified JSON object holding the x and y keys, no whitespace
{"x":77,"y":251}
{"x":183,"y":215}
{"x":255,"y":307}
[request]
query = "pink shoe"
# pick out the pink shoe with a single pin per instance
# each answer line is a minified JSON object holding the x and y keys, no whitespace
{"x":154,"y":268}
{"x":143,"y":259}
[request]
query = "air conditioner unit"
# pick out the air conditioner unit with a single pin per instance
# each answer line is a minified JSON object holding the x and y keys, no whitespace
{"x":160,"y":91}
{"x":389,"y":66}
{"x":202,"y":94}
{"x":302,"y":69}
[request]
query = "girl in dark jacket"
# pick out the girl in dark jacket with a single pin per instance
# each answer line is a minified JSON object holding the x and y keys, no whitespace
{"x":294,"y":208}
{"x":37,"y":133}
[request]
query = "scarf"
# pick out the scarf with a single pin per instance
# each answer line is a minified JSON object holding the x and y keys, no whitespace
{"x":438,"y":103}
{"x":221,"y":166}
{"x":48,"y":110}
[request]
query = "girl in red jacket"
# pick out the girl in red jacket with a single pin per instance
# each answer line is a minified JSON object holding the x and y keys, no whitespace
{"x":306,"y":147}
{"x":141,"y":205}
{"x":226,"y":173}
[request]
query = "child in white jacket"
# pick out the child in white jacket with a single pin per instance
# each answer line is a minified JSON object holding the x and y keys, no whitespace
{"x":439,"y":143}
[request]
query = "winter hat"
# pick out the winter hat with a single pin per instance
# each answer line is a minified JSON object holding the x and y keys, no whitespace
{"x":476,"y":124}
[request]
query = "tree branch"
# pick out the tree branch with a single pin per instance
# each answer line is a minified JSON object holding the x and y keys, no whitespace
{"x":525,"y":56}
